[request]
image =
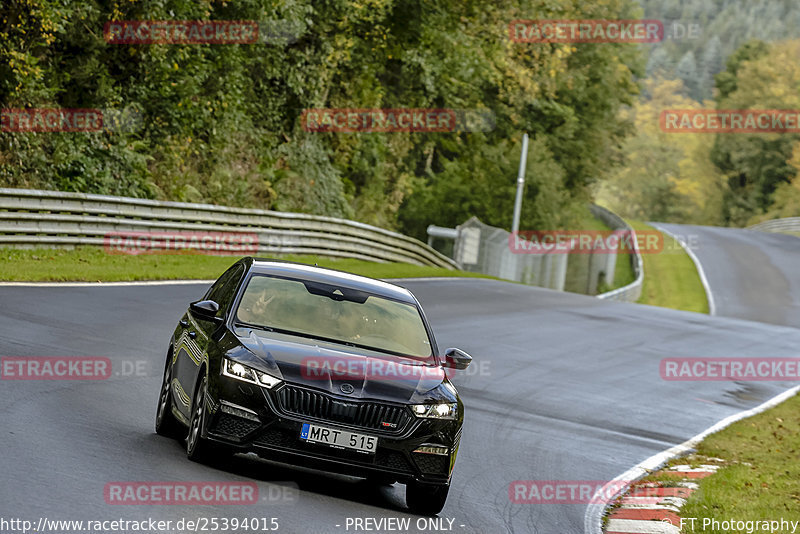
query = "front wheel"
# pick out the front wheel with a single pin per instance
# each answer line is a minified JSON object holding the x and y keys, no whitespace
{"x":426,"y":499}
{"x":198,"y":448}
{"x":166,"y":423}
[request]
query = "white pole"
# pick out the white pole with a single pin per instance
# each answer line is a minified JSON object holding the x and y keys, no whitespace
{"x":520,"y":184}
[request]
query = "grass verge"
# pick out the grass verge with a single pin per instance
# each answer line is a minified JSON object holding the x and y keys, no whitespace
{"x":670,"y":277}
{"x":92,"y":264}
{"x":761,"y":478}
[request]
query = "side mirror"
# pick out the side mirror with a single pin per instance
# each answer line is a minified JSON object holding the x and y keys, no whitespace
{"x":456,"y":359}
{"x":206,"y":310}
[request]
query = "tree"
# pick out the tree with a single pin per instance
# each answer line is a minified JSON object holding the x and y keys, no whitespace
{"x":658,"y":66}
{"x":666,"y":176}
{"x":759,"y":76}
{"x":687,"y":72}
{"x":221,"y":123}
{"x":712,"y":64}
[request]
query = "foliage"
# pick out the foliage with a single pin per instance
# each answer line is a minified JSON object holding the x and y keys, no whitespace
{"x":666,"y":176}
{"x":723,"y":179}
{"x":220,"y":123}
{"x":759,"y":76}
{"x":700,"y":34}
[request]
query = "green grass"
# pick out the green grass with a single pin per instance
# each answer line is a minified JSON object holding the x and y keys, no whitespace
{"x":761,"y":478}
{"x":670,"y":277}
{"x":623,"y":273}
{"x":93,"y":264}
{"x":590,"y":222}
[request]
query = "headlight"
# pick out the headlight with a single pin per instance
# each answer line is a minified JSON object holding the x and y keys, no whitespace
{"x":248,"y":374}
{"x":435,"y":411}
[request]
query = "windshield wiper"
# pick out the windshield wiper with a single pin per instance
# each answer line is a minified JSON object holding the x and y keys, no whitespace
{"x":298,"y":334}
{"x":256,"y":326}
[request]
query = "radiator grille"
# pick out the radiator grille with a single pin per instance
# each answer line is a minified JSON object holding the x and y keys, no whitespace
{"x":368,"y":415}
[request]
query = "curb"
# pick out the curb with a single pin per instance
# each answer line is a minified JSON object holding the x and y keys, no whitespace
{"x":653,"y":507}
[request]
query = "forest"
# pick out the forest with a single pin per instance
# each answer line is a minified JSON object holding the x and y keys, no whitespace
{"x":745,"y":56}
{"x":223,"y":123}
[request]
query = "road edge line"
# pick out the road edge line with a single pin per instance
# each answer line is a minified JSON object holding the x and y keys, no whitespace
{"x":712,"y":307}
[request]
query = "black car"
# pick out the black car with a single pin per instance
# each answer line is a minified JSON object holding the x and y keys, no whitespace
{"x":318,"y":367}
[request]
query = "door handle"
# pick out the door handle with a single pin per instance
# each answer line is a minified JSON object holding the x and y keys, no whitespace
{"x":193,"y":335}
{"x":183,"y":323}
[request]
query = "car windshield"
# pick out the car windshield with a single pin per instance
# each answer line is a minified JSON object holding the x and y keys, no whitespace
{"x":337,"y":314}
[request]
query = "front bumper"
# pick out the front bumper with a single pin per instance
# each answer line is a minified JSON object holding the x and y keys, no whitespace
{"x":248,"y":418}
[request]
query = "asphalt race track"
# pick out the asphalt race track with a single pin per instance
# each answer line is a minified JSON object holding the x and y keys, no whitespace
{"x":563,"y":387}
{"x":752,"y":275}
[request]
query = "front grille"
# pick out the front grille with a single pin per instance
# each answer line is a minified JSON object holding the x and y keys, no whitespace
{"x":369,"y":415}
{"x":232,"y":426}
{"x":432,"y":463}
{"x":392,"y":460}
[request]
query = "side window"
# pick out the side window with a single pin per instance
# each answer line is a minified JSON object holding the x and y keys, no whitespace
{"x":222,"y":292}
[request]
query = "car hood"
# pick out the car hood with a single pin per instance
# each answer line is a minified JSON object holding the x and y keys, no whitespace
{"x":323,"y":365}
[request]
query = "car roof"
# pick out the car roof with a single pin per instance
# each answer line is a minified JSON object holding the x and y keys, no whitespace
{"x":302,"y":271}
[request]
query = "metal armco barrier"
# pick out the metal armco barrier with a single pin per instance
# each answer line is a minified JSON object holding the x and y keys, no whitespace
{"x":632,"y":291}
{"x":31,"y":218}
{"x":786,"y":225}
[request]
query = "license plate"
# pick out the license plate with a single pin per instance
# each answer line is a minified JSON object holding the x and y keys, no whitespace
{"x":341,"y":439}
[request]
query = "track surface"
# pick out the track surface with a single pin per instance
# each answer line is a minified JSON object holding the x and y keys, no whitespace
{"x":564,"y":387}
{"x":752,"y":275}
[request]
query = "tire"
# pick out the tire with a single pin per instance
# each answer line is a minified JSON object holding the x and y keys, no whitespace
{"x":426,"y":499}
{"x":198,"y":448}
{"x":166,"y":423}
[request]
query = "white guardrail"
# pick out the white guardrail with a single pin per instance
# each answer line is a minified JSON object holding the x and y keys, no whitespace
{"x":786,"y":225}
{"x":632,"y":291}
{"x":32,"y":218}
